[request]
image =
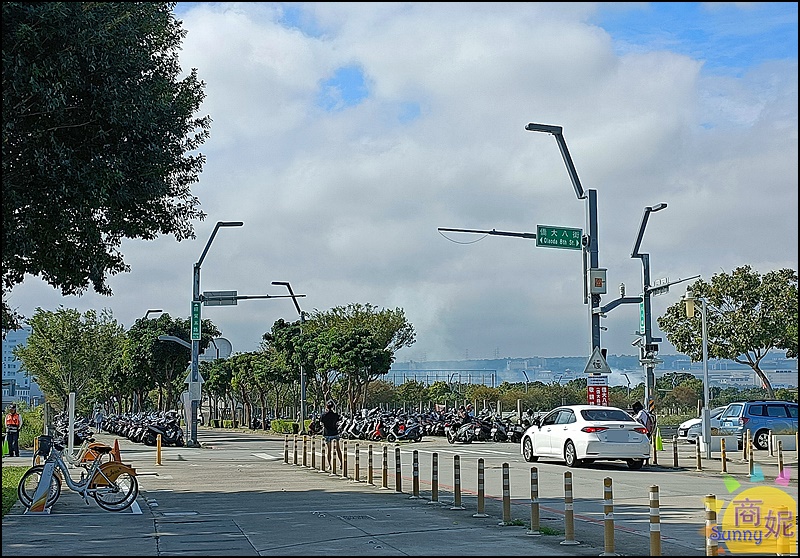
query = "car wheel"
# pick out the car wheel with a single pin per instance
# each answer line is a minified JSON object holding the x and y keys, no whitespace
{"x":635,"y":464}
{"x":570,"y":455}
{"x":527,"y":451}
{"x":761,"y":439}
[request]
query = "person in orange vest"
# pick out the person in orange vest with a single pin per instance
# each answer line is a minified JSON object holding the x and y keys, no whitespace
{"x":13,"y":426}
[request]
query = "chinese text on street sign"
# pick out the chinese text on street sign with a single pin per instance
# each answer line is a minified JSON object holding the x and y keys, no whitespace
{"x":195,"y":321}
{"x":558,"y":237}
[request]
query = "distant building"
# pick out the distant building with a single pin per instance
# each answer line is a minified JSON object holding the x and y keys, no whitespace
{"x":17,"y":385}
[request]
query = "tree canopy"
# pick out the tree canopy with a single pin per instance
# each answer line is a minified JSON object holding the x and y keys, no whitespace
{"x":100,"y":139}
{"x":747,"y":314}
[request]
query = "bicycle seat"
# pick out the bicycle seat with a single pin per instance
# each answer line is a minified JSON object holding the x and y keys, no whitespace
{"x":101,"y":448}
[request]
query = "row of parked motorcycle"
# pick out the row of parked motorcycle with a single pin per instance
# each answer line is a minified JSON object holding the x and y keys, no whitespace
{"x":393,"y":426}
{"x":145,"y":427}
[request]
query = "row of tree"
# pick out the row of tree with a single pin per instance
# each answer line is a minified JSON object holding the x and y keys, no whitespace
{"x":341,"y":351}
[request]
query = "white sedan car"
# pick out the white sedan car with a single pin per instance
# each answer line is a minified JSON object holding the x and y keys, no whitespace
{"x":580,"y":434}
{"x":689,"y":430}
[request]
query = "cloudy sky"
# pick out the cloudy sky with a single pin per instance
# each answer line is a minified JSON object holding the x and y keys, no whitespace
{"x":345,"y":135}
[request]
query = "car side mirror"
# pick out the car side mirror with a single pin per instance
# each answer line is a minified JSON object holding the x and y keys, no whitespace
{"x":537,"y":422}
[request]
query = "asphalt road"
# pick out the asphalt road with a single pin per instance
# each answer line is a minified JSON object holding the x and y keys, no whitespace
{"x":246,"y":493}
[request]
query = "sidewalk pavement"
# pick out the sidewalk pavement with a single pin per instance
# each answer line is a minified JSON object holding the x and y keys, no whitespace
{"x":211,"y":501}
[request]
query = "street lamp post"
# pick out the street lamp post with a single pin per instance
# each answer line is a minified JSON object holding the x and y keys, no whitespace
{"x":648,"y":349}
{"x":302,"y":372}
{"x":146,"y":314}
{"x":705,"y":417}
{"x":628,"y":398}
{"x":590,"y":240}
{"x":196,"y":328}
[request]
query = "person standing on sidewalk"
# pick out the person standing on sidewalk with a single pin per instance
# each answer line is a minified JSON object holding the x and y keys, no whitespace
{"x":13,"y":426}
{"x":330,"y":431}
{"x":98,"y":419}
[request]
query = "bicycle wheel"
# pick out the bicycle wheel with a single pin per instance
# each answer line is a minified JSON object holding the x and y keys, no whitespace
{"x":26,"y":489}
{"x":119,"y":495}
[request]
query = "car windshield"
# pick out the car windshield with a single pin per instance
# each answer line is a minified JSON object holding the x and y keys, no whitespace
{"x":605,"y":415}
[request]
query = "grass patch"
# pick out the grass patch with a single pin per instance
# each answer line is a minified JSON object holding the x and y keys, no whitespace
{"x":11,"y":476}
{"x":548,"y":531}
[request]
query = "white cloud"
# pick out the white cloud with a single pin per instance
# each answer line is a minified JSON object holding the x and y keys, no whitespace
{"x":346,"y":205}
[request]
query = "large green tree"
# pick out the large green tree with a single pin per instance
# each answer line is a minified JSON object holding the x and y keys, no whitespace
{"x":747,"y":315}
{"x":68,"y":352}
{"x":100,"y":139}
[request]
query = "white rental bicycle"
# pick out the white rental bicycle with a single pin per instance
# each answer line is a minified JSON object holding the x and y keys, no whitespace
{"x":112,"y":484}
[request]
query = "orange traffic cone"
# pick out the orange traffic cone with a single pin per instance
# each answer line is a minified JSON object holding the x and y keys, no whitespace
{"x":115,"y":453}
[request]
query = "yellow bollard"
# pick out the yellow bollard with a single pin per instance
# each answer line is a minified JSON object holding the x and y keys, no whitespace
{"x":369,"y":468}
{"x":745,"y":445}
{"x":569,"y":515}
{"x":434,"y":478}
{"x":655,"y":522}
{"x":750,"y":461}
{"x":323,"y":464}
{"x":780,"y":458}
{"x":506,"y":496}
{"x":415,"y":478}
{"x":345,"y":468}
{"x":608,"y":518}
{"x":699,"y":457}
{"x":534,"y":530}
{"x":313,"y":453}
{"x":334,"y":458}
{"x":712,"y":547}
{"x":357,"y":474}
{"x":385,"y":480}
{"x":398,"y":476}
{"x":295,"y":449}
{"x":481,"y":491}
{"x":158,"y":449}
{"x":675,"y":451}
{"x":305,"y":451}
{"x":286,"y":449}
{"x":723,"y":455}
{"x":457,"y":484}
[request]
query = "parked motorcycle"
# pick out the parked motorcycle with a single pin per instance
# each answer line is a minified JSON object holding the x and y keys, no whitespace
{"x":403,"y":429}
{"x":464,"y":433}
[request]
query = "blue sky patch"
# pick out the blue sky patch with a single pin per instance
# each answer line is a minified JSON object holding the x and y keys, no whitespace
{"x":730,"y":38}
{"x":346,"y":88}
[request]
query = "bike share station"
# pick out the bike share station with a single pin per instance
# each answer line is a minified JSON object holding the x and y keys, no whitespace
{"x":100,"y":482}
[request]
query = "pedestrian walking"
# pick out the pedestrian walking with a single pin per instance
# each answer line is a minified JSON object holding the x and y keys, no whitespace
{"x":330,"y":431}
{"x":13,"y":426}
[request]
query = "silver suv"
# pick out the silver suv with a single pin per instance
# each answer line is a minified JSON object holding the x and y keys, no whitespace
{"x":759,"y":417}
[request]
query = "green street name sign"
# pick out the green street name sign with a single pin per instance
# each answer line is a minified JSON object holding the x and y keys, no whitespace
{"x":196,"y":321}
{"x":641,"y":318}
{"x":558,"y":237}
